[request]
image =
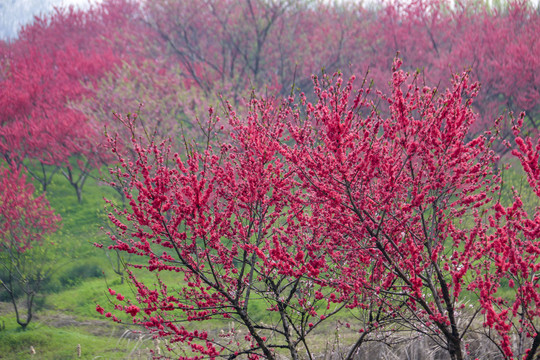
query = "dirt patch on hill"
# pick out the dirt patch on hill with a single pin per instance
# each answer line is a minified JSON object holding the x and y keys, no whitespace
{"x":92,"y":326}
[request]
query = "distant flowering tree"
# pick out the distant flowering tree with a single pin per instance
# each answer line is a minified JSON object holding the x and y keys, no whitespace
{"x":52,"y":63}
{"x":314,"y":208}
{"x":231,"y":47}
{"x":274,"y":44}
{"x":25,"y":222}
{"x":164,"y":104}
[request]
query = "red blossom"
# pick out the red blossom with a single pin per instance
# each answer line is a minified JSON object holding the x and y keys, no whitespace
{"x":100,"y":310}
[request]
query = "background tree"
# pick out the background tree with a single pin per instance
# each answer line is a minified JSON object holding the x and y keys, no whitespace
{"x":292,"y":40}
{"x":49,"y":65}
{"x":233,"y":47}
{"x":25,"y":222}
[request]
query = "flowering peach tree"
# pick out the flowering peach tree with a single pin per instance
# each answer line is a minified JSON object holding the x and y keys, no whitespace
{"x":310,"y":209}
{"x":25,"y":221}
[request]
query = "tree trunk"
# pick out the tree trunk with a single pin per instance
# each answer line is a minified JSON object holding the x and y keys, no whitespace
{"x":454,"y":348}
{"x":534,"y":348}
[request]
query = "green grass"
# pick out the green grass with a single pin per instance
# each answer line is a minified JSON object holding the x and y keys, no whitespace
{"x":68,"y":318}
{"x":53,"y":342}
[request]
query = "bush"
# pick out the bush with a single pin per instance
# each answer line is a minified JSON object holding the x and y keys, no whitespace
{"x":73,"y":275}
{"x":78,"y":273}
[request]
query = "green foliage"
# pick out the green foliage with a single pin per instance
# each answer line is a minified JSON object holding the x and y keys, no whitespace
{"x":73,"y":274}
